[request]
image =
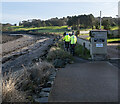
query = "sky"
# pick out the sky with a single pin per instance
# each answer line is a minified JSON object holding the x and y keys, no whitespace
{"x":14,"y":12}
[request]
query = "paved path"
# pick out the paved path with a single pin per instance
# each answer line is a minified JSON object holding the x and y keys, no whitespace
{"x":113,"y":51}
{"x":86,"y":82}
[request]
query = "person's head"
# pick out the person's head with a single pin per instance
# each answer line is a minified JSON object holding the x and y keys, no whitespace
{"x":66,"y":33}
{"x":73,"y":33}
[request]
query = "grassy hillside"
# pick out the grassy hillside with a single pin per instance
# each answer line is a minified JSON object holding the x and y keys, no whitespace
{"x":56,"y":29}
{"x":42,"y":29}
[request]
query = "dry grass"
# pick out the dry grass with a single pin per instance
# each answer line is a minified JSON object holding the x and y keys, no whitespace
{"x":41,"y":71}
{"x":9,"y":92}
{"x":58,"y":53}
{"x":16,"y":85}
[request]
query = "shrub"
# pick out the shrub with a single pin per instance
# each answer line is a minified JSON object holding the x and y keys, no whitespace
{"x":58,"y":53}
{"x":84,"y":53}
{"x":40,"y":72}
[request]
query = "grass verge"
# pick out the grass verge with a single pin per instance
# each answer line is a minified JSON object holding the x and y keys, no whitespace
{"x":82,"y":52}
{"x":114,"y":28}
{"x":113,"y":40}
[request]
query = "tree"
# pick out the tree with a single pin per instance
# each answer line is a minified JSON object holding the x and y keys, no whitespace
{"x":106,"y":24}
{"x":85,"y":20}
{"x":43,"y":24}
{"x":96,"y":24}
{"x":119,"y":25}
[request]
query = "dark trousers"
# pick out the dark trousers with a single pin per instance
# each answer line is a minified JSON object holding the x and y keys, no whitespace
{"x":72,"y":48}
{"x":67,"y":45}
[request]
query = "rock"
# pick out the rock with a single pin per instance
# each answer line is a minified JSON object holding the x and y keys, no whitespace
{"x":51,"y":78}
{"x":46,"y":89}
{"x":44,"y":94}
{"x":53,"y":74}
{"x":59,"y":63}
{"x":49,"y":83}
{"x":36,"y":59}
{"x":43,"y":99}
{"x":24,"y":52}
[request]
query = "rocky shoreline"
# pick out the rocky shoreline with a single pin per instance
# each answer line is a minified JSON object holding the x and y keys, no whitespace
{"x":26,"y":57}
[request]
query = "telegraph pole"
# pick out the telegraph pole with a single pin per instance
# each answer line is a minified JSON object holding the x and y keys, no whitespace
{"x":100,"y":20}
{"x":78,"y":24}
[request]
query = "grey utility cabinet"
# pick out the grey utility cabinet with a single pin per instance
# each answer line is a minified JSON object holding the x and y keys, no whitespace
{"x":98,"y":44}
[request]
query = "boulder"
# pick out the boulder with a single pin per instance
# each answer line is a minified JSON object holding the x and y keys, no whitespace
{"x":46,"y":89}
{"x":49,"y":84}
{"x":44,"y":94}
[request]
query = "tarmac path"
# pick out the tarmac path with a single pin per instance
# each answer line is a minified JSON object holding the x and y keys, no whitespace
{"x":113,"y":51}
{"x":95,"y":81}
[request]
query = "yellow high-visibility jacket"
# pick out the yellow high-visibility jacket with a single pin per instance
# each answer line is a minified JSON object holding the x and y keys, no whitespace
{"x":67,"y":38}
{"x":73,"y":39}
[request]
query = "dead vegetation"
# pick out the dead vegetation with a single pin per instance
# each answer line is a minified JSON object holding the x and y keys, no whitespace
{"x":21,"y":85}
{"x":9,"y":91}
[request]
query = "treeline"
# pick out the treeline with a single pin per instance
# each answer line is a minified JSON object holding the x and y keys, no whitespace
{"x":77,"y":22}
{"x":80,"y":21}
{"x":41,"y":23}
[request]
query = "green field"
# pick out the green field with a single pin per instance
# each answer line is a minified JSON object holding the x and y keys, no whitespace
{"x":113,"y":40}
{"x":56,"y":29}
{"x":18,"y":28}
{"x":114,"y":28}
{"x":49,"y":29}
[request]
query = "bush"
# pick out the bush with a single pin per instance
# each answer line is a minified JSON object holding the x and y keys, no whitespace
{"x":79,"y":51}
{"x":40,"y":72}
{"x":58,"y":53}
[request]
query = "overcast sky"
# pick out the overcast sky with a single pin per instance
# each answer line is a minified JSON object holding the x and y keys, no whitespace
{"x":14,"y":12}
